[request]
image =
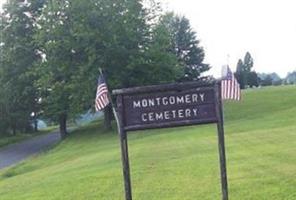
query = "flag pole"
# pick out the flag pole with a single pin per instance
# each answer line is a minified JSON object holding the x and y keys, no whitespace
{"x":112,"y":105}
{"x":124,"y":148}
{"x":221,"y":141}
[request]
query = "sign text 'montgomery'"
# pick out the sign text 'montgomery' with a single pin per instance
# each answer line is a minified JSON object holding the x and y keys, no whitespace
{"x":170,"y":106}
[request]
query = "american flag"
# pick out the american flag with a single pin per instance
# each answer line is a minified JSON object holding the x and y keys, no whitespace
{"x":230,"y":88}
{"x":102,"y":99}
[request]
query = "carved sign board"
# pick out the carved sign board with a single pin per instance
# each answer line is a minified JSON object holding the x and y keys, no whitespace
{"x":167,"y":106}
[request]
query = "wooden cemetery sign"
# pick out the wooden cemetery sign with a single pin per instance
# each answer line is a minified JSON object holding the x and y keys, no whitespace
{"x":171,"y":105}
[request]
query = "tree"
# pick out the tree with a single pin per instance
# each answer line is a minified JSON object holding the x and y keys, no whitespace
{"x":4,"y":120}
{"x":267,"y":80}
{"x":156,"y":65}
{"x":291,"y":78}
{"x":253,"y":79}
{"x":18,"y":55}
{"x":248,"y":62}
{"x":276,"y":79}
{"x":244,"y":72}
{"x":60,"y":75}
{"x":185,"y":45}
{"x":240,"y":74}
{"x":114,"y":35}
{"x":270,"y":79}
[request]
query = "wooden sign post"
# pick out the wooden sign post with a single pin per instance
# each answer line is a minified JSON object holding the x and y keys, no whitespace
{"x":171,"y":105}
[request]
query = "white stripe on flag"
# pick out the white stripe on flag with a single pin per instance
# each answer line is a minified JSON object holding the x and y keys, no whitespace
{"x":230,"y":88}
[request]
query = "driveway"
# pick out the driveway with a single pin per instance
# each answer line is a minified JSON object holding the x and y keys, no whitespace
{"x":14,"y":153}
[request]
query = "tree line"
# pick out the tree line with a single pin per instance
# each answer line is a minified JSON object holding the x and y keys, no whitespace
{"x":51,"y":52}
{"x":249,"y":78}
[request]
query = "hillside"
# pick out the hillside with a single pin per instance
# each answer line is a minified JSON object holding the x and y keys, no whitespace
{"x":172,"y":164}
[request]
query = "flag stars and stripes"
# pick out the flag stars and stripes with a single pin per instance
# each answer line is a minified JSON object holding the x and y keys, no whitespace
{"x":230,"y":88}
{"x":102,"y":99}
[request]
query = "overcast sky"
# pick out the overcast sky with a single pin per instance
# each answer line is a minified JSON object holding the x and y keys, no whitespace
{"x":1,"y":2}
{"x":265,"y":28}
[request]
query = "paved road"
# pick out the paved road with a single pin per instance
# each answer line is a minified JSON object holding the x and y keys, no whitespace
{"x":15,"y":153}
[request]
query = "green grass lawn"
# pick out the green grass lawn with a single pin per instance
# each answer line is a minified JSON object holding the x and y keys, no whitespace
{"x":173,"y":164}
{"x":10,"y":139}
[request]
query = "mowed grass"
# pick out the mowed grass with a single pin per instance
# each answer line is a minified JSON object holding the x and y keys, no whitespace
{"x":173,"y":164}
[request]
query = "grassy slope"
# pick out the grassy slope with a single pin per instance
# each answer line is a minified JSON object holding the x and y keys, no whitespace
{"x":173,"y":164}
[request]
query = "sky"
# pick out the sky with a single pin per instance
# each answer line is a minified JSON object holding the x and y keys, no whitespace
{"x":228,"y":29}
{"x":1,"y":3}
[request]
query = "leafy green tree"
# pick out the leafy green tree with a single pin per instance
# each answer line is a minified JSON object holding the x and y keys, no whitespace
{"x":79,"y":36}
{"x":156,"y":65}
{"x":247,"y":70}
{"x":4,"y":121}
{"x":18,"y":55}
{"x":59,"y":70}
{"x":185,"y":45}
{"x":248,"y":62}
{"x":239,"y":74}
{"x":253,"y":79}
{"x":244,"y":72}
